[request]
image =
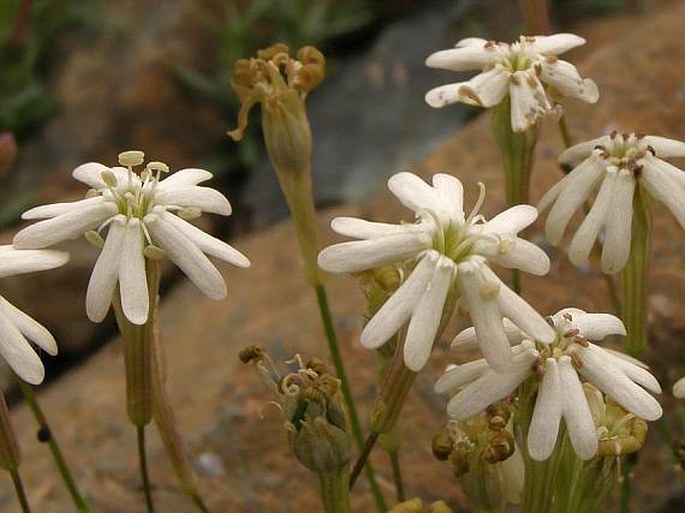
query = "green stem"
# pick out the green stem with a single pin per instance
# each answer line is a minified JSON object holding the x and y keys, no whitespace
{"x":397,"y":475}
{"x":27,"y":391}
{"x":142,"y":457}
{"x":363,"y":458}
{"x":565,"y":132}
{"x":625,"y":485}
{"x":335,"y":491}
{"x":347,"y":393}
{"x":635,"y":275}
{"x":19,"y":488}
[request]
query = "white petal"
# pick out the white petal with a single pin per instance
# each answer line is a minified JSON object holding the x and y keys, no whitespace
{"x":103,"y":279}
{"x":544,"y":425}
{"x":56,"y":209}
{"x":602,"y":373}
{"x":579,"y":152}
{"x":576,"y":411}
{"x":29,"y":328}
{"x":666,"y":184}
{"x":208,"y":244}
{"x":17,"y":352}
{"x":520,"y":312}
{"x":184,"y":177}
{"x":616,"y":247}
{"x":354,"y":256}
{"x":204,"y":198}
{"x":663,"y":147}
{"x":466,"y":340}
{"x":596,"y":326}
{"x":524,"y":255}
{"x":425,"y":318}
{"x":463,"y":58}
{"x":414,"y":193}
{"x":450,"y":193}
{"x":187,"y":256}
{"x":679,"y":388}
{"x":66,"y":226}
{"x":528,"y":100}
{"x":512,"y":220}
{"x":398,"y":308}
{"x":446,"y":95}
{"x":362,"y":229}
{"x":491,"y":387}
{"x":584,"y":238}
{"x":577,"y":186}
{"x":565,"y":78}
{"x":461,"y":375}
{"x":486,"y":89}
{"x":554,"y":44}
{"x":634,"y":371}
{"x":132,"y":279}
{"x":19,"y":261}
{"x":90,"y":174}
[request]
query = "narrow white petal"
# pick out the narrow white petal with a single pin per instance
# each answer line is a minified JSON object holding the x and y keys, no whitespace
{"x":491,"y":387}
{"x":184,"y":177}
{"x":208,"y":244}
{"x":523,"y":255}
{"x":56,"y":209}
{"x":354,"y":256}
{"x":544,"y":426}
{"x":665,"y":185}
{"x":461,"y":375}
{"x":362,"y":229}
{"x":528,"y":100}
{"x":554,"y":44}
{"x":462,"y":58}
{"x":187,"y":256}
{"x":596,"y":326}
{"x":679,"y":388}
{"x":486,"y":89}
{"x":450,"y":192}
{"x":19,"y":261}
{"x":413,"y":192}
{"x":520,"y":312}
{"x":576,"y":411}
{"x":204,"y":198}
{"x":67,"y":226}
{"x":577,"y":186}
{"x":398,"y":308}
{"x":17,"y":352}
{"x":466,"y":340}
{"x":485,"y":314}
{"x":132,"y":279}
{"x":446,"y":95}
{"x":29,"y":328}
{"x":584,"y":238}
{"x":90,"y":174}
{"x":565,"y":78}
{"x":664,"y":147}
{"x":616,"y":247}
{"x":579,"y":152}
{"x":610,"y":379}
{"x":425,"y":318}
{"x":512,"y":220}
{"x":634,"y":371}
{"x":105,"y":275}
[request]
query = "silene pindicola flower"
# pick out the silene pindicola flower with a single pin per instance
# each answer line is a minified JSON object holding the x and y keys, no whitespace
{"x":558,"y":368}
{"x":146,"y":217}
{"x":449,"y":250}
{"x":528,"y":71}
{"x":616,"y":164}
{"x":15,"y":326}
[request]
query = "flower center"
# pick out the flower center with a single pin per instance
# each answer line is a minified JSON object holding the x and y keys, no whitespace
{"x":625,"y":152}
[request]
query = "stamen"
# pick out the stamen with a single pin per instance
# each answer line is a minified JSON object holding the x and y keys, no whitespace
{"x":109,"y":178}
{"x":189,"y":213}
{"x":489,"y":290}
{"x":94,"y":238}
{"x":131,"y":158}
{"x":479,"y":203}
{"x":154,"y":252}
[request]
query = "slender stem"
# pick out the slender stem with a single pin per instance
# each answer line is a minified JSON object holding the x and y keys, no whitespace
{"x":335,"y":492}
{"x":565,"y":132}
{"x":19,"y":488}
{"x":397,"y":475}
{"x":625,"y":485}
{"x":47,"y":435}
{"x":363,"y":457}
{"x":140,"y":430}
{"x":197,"y":500}
{"x":613,"y":293}
{"x":347,"y":393}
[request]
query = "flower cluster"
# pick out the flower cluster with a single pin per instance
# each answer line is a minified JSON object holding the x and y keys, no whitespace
{"x":146,"y":217}
{"x":558,"y":368}
{"x":617,"y":164}
{"x":451,"y":252}
{"x":527,"y":71}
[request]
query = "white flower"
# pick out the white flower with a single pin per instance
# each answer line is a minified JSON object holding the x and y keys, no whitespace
{"x":528,"y":70}
{"x":476,"y":385}
{"x":15,"y":326}
{"x":617,"y":164}
{"x":143,"y":214}
{"x":679,"y":388}
{"x":450,"y":250}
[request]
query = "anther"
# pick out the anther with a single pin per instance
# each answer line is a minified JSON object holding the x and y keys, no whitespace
{"x":489,"y":290}
{"x":189,"y":213}
{"x":154,"y":252}
{"x":94,"y":238}
{"x":160,"y":167}
{"x":109,"y":178}
{"x":131,"y":158}
{"x":571,"y":333}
